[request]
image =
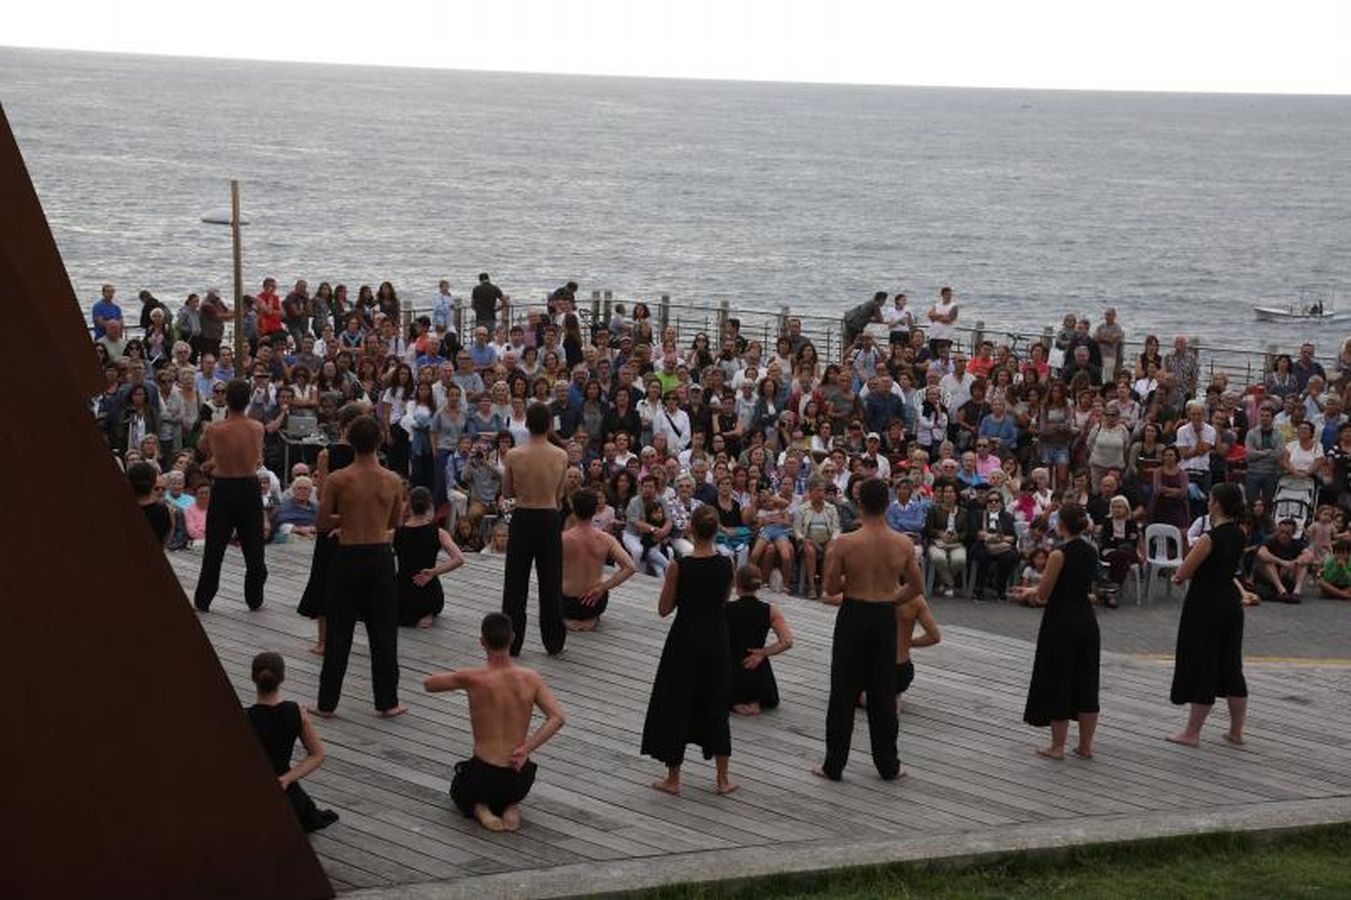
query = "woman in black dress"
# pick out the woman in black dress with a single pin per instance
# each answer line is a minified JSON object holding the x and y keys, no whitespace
{"x":692,"y":692}
{"x":314,"y":601}
{"x":1065,"y":674}
{"x":749,"y":621}
{"x":1209,"y":659}
{"x":278,"y":723}
{"x":417,"y":545}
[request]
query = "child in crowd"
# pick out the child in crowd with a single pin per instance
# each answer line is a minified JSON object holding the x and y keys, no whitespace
{"x":1320,"y":534}
{"x":1335,"y":579}
{"x":1025,"y":592}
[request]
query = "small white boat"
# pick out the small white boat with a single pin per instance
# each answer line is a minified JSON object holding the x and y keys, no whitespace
{"x":1309,"y":308}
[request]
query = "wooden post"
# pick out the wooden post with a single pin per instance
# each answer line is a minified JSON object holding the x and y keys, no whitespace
{"x":609,"y":311}
{"x":459,"y":321}
{"x":664,"y":310}
{"x":978,"y":337}
{"x":506,"y":313}
{"x":724,"y":313}
{"x":595,"y":311}
{"x":784,"y":315}
{"x":1047,"y":338}
{"x":239,"y":274}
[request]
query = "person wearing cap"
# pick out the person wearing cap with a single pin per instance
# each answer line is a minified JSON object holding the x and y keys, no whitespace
{"x":872,"y":452}
{"x":749,"y":621}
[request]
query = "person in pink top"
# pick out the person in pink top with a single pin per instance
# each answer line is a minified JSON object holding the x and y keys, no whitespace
{"x":194,"y":516}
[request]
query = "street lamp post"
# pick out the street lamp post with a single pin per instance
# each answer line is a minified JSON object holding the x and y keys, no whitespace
{"x":232,"y":218}
{"x":239,"y":272}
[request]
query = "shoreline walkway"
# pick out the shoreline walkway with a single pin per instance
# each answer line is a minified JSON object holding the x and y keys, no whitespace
{"x":593,"y":823}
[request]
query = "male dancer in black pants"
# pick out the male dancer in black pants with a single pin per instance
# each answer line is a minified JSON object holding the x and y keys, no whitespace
{"x":876,"y":569}
{"x":361,"y":506}
{"x":534,"y":476}
{"x":234,"y":450}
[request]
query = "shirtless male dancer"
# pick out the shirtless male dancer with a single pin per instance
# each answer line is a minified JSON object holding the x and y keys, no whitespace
{"x":233,"y":448}
{"x":876,"y":569}
{"x":585,"y":550}
{"x":490,"y":785}
{"x":534,"y":477}
{"x":361,"y":505}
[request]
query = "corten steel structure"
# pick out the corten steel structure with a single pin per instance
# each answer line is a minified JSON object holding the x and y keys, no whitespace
{"x":152,"y":784}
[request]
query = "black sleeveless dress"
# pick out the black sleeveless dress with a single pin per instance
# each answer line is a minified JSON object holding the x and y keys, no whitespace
{"x":691,"y":695}
{"x":1065,"y":673}
{"x":278,"y":729}
{"x":314,"y":601}
{"x":416,"y":549}
{"x":1209,"y":661}
{"x":747,"y":627}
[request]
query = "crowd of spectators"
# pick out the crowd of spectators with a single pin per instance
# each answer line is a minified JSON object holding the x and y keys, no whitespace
{"x":980,"y":448}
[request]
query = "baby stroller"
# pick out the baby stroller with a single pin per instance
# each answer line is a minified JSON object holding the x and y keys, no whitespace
{"x":1295,"y":498}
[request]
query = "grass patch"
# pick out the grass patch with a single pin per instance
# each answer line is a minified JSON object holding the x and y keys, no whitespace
{"x":1302,"y":865}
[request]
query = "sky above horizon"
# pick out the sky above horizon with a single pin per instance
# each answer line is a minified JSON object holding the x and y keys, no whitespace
{"x":1297,"y":46}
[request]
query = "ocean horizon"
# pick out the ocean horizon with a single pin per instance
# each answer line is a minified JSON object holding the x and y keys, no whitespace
{"x":1182,"y":210}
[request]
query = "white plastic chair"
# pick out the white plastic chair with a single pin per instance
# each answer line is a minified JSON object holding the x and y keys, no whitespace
{"x":1163,"y":554}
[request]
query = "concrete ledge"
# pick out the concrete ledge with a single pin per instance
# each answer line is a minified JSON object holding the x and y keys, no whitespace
{"x":806,"y":858}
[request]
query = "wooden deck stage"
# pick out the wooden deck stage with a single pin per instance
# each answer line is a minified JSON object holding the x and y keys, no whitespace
{"x":593,"y":823}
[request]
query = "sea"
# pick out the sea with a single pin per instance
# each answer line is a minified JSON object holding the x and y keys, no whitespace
{"x":1182,"y":210}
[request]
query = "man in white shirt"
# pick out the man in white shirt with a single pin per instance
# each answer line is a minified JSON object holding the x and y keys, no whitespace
{"x":942,"y":320}
{"x":1194,"y":442}
{"x":443,"y":307}
{"x":956,"y":385}
{"x":873,"y":451}
{"x":674,"y":423}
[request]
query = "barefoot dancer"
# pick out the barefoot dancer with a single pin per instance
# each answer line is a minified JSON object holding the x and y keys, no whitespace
{"x":233,"y":449}
{"x":585,"y":550}
{"x":915,"y":610}
{"x":876,"y":569}
{"x":314,"y":600}
{"x":1209,"y":661}
{"x":369,"y":501}
{"x":417,"y":546}
{"x":692,"y":692}
{"x":278,"y":724}
{"x":534,"y":477}
{"x":1065,"y":672}
{"x":749,"y":621}
{"x":490,"y":785}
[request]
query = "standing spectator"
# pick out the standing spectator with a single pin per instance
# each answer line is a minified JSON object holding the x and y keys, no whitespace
{"x":267,"y":306}
{"x":105,"y":310}
{"x":148,"y":305}
{"x":942,"y":321}
{"x":443,"y":307}
{"x":1184,"y":368}
{"x":296,"y":310}
{"x":1110,"y":338}
{"x":188,"y":323}
{"x":1306,"y":367}
{"x":214,"y":312}
{"x":486,"y":300}
{"x":856,"y":320}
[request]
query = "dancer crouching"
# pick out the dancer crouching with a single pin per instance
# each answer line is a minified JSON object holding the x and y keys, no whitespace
{"x":490,"y":785}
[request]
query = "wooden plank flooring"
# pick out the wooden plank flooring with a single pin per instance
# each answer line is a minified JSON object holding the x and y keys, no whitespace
{"x":970,"y":759}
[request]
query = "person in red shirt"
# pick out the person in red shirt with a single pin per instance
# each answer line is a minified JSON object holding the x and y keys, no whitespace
{"x":982,"y":363}
{"x":268,"y":306}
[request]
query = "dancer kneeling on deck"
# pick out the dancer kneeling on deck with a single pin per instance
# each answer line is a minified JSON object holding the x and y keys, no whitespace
{"x":1065,"y":671}
{"x":692,"y":692}
{"x":585,"y":550}
{"x":914,"y":611}
{"x":417,"y":545}
{"x":876,"y":569}
{"x":278,"y":723}
{"x":749,"y":621}
{"x":490,"y":785}
{"x":363,"y":503}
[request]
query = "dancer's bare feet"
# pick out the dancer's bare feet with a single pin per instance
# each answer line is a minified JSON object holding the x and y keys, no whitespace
{"x":746,"y":709}
{"x":668,"y":786}
{"x":1185,"y":739}
{"x":317,"y":649}
{"x":487,"y":819}
{"x":511,"y":817}
{"x":321,"y":713}
{"x":1083,"y":752}
{"x":393,"y":711}
{"x":425,"y":621}
{"x":726,"y":787}
{"x":1052,"y":752}
{"x":1235,"y":739}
